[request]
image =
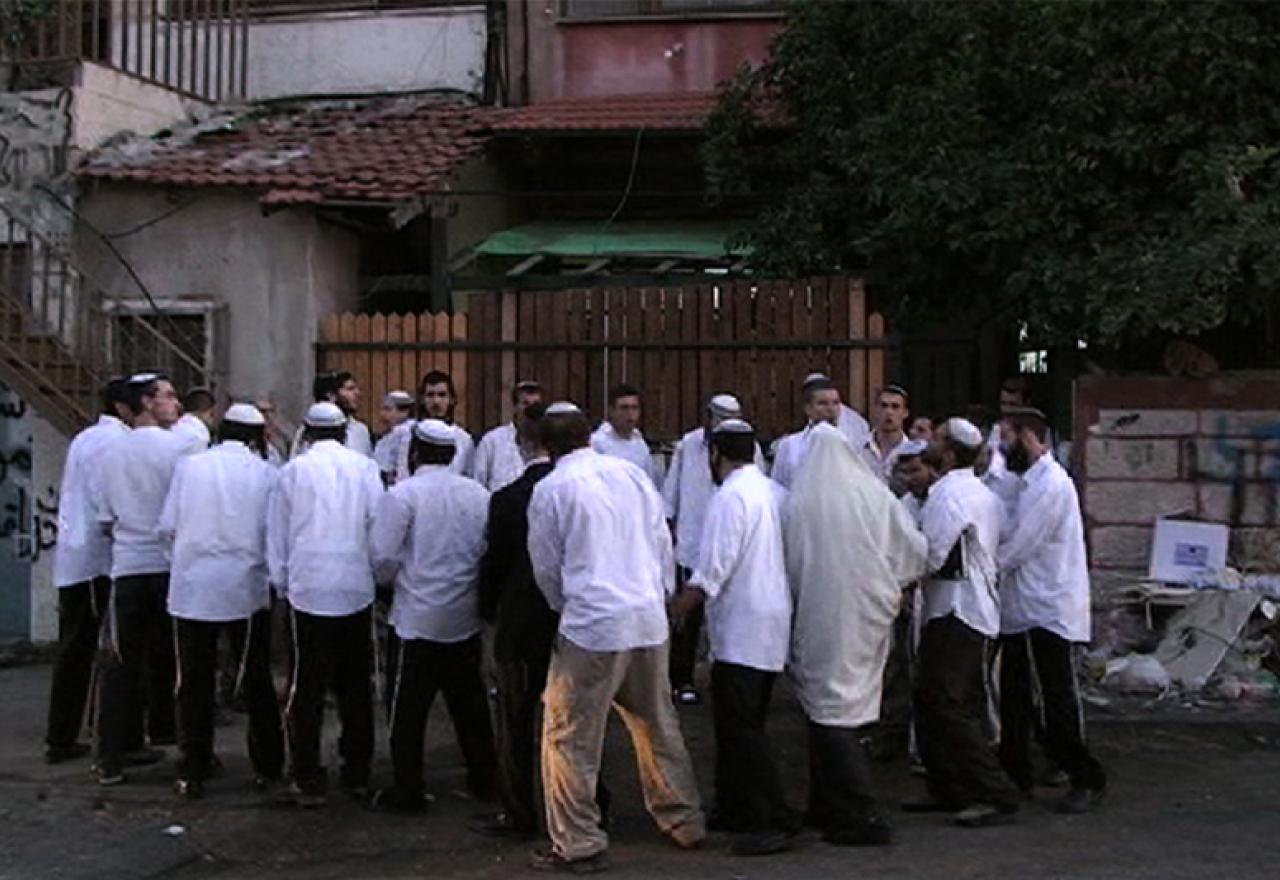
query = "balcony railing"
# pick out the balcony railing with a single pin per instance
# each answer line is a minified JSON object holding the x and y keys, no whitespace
{"x":197,"y":47}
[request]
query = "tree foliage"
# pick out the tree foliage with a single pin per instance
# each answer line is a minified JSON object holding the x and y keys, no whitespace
{"x":1099,"y":170}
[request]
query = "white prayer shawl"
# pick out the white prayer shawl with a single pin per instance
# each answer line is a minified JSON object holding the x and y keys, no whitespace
{"x":851,"y":547}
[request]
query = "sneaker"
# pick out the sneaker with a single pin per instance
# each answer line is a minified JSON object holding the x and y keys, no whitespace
{"x":686,"y":695}
{"x":142,"y":757}
{"x":58,"y":754}
{"x":500,"y":825}
{"x":1081,"y":800}
{"x":550,"y":860}
{"x":189,"y":789}
{"x":763,"y":843}
{"x":109,"y":774}
{"x":985,"y":816}
{"x":393,"y":800}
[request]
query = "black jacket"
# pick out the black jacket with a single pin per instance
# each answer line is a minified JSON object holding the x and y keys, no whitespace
{"x":509,"y":596}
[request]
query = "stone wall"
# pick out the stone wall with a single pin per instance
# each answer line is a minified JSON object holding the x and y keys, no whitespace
{"x":1152,"y":447}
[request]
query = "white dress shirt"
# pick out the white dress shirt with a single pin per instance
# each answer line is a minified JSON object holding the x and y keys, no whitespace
{"x":1044,"y":569}
{"x":134,"y":474}
{"x":498,"y":461}
{"x":464,"y":449}
{"x":216,"y":517}
{"x":601,"y":552}
{"x":635,"y":449}
{"x":193,"y":432}
{"x":960,"y":508}
{"x":358,"y":437}
{"x":742,"y":570}
{"x":318,"y":526}
{"x":915,"y":507}
{"x":789,"y":454}
{"x":83,"y":552}
{"x":882,"y":462}
{"x":429,"y":534}
{"x":385,"y":450}
{"x":686,"y":491}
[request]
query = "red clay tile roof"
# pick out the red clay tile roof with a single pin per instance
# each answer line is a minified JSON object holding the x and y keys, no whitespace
{"x":387,"y":150}
{"x":673,"y":112}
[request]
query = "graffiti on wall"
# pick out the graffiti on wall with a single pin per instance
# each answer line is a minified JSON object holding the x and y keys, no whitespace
{"x":35,"y":132}
{"x":1245,"y":457}
{"x":28,"y":517}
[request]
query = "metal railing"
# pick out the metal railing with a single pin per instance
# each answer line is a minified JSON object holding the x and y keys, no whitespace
{"x":197,"y":47}
{"x":61,"y":335}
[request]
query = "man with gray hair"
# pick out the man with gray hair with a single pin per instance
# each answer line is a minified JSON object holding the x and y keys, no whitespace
{"x":397,"y":409}
{"x":601,"y":554}
{"x":961,"y":617}
{"x":686,"y":492}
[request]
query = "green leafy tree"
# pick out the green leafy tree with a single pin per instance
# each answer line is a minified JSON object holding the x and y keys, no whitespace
{"x":1098,"y":170}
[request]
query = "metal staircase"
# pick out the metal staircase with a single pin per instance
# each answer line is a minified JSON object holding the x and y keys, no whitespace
{"x":62,"y":337}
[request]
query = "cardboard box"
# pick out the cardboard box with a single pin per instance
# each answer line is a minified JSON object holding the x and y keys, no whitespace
{"x":1182,"y":550}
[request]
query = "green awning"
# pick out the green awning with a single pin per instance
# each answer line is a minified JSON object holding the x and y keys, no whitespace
{"x":684,"y":239}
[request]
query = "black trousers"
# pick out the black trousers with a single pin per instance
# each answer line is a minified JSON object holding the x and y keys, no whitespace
{"x":1039,"y":656}
{"x":895,"y":702}
{"x":331,"y":653}
{"x":137,"y":682}
{"x":197,"y":694}
{"x":749,"y":793}
{"x":951,"y":705}
{"x":684,"y":642}
{"x":424,"y":669}
{"x":520,"y":687}
{"x":81,"y":608}
{"x":840,"y":786}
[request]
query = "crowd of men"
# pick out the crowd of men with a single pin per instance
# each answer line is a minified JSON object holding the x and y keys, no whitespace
{"x":883,"y":567}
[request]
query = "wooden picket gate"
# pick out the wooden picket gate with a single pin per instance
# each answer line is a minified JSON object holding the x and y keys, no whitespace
{"x":756,"y":339}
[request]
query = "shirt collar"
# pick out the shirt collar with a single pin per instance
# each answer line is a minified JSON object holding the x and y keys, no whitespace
{"x":541,"y":459}
{"x":737,"y":472}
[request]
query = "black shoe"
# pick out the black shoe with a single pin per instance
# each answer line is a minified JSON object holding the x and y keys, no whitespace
{"x":686,"y":695}
{"x":500,"y":825}
{"x":873,"y":831}
{"x":109,"y":773}
{"x":763,"y":843}
{"x":306,"y":797}
{"x":1054,"y":778}
{"x":189,"y":789}
{"x":985,"y":816}
{"x":393,"y":800}
{"x":58,"y":754}
{"x":549,"y":860}
{"x":727,"y":822}
{"x":1081,"y":800}
{"x":141,"y":757}
{"x":163,"y":739}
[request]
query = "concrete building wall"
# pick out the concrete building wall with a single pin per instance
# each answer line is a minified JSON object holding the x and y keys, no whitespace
{"x":1153,"y":447}
{"x":275,"y":274}
{"x":107,"y":102}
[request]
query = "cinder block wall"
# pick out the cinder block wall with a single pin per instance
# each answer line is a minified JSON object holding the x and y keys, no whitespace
{"x":1149,"y":447}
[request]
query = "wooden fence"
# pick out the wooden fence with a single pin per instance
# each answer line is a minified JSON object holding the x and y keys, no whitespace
{"x":756,"y":339}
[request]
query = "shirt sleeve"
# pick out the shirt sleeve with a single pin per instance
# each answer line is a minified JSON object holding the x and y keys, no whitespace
{"x":546,"y":548}
{"x":942,"y":524}
{"x":722,"y":534}
{"x":781,"y":471}
{"x":465,"y":456}
{"x":671,"y":485}
{"x":278,"y":535}
{"x":391,"y":524}
{"x":1037,"y":513}
{"x":167,"y":525}
{"x":484,"y":460}
{"x":662,"y":538}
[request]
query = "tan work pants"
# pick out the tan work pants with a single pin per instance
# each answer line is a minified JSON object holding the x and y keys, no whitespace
{"x":581,"y":686}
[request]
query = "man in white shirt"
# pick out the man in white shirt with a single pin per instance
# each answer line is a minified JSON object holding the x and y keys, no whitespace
{"x":429,"y":536}
{"x":961,"y":612}
{"x":619,"y":434}
{"x":437,"y":399}
{"x":850,"y":421}
{"x":741,"y":576}
{"x":82,"y":575}
{"x":338,"y":387}
{"x":498,"y":462}
{"x":397,"y":409}
{"x":133,"y":476}
{"x":216,"y":517}
{"x":821,"y":406}
{"x":1044,"y":615}
{"x":199,"y":412}
{"x":889,"y":437}
{"x":277,"y":433}
{"x":685,"y":492}
{"x":601,"y":554}
{"x":319,"y":556}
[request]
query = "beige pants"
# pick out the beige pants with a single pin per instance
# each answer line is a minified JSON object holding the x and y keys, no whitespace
{"x":581,"y":686}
